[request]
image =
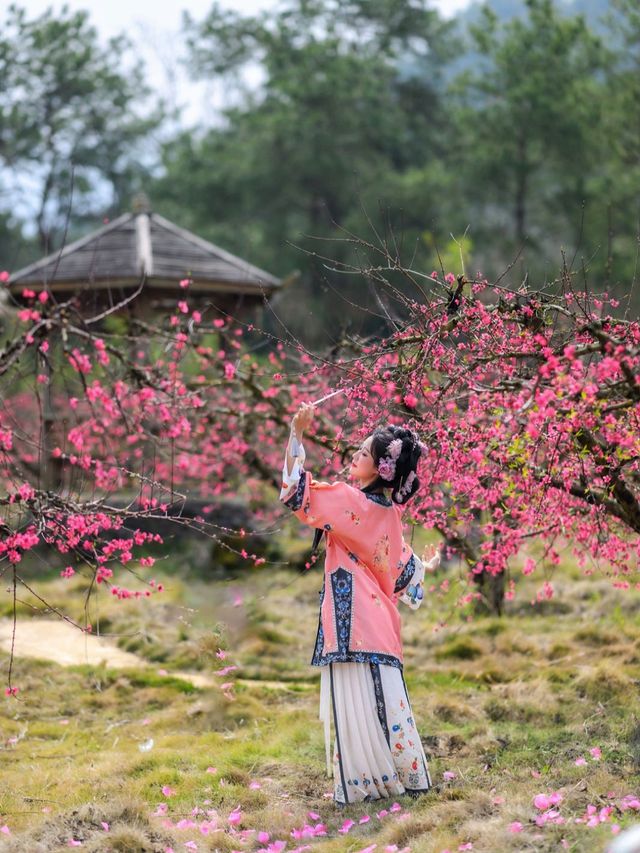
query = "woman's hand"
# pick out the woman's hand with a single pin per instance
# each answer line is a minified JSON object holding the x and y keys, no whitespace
{"x":302,"y":419}
{"x":431,"y":556}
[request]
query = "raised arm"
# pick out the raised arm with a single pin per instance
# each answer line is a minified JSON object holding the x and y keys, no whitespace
{"x":326,"y":505}
{"x":295,"y":453}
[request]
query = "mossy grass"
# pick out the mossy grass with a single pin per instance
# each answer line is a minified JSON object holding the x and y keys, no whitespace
{"x":506,"y":706}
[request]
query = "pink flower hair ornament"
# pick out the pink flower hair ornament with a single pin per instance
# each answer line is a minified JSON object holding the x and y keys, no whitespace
{"x":387,"y":465}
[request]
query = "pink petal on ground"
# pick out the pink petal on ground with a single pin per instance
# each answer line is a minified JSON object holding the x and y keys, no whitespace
{"x":73,"y":843}
{"x":516,"y":826}
{"x":313,"y":816}
{"x":596,"y":753}
{"x":263,"y":837}
{"x":580,"y":762}
{"x":368,"y":849}
{"x":167,"y":791}
{"x":346,"y":826}
{"x":541,"y":801}
{"x":5,"y":829}
{"x":396,"y":807}
{"x":104,"y":825}
{"x":255,"y":785}
{"x":448,"y":775}
{"x":211,"y":770}
{"x":364,"y":819}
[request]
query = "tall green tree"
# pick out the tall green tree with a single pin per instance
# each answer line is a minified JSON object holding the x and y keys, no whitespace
{"x":530,"y":119}
{"x":619,"y":175}
{"x":347,"y":99}
{"x":73,"y":115}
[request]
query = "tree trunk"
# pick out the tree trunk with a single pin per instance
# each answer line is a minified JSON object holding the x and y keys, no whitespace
{"x":522,"y":174}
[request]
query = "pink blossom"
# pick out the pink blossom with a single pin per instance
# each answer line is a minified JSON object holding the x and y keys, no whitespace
{"x":596,"y":753}
{"x":235,"y":816}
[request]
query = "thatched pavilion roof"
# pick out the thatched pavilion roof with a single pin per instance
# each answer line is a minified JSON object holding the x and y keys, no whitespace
{"x":144,"y":244}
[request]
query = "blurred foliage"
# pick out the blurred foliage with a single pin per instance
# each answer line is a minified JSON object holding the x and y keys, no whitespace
{"x":70,"y":116}
{"x":499,"y":135}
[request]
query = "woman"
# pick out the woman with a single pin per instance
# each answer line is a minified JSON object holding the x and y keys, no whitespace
{"x":369,"y":568}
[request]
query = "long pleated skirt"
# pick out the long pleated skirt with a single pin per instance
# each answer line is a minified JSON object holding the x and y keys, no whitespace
{"x":376,"y":751}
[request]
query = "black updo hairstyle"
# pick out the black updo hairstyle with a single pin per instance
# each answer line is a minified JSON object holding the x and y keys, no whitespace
{"x":406,"y":462}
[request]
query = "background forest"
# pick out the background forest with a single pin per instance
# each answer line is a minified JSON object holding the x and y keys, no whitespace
{"x":510,"y":133}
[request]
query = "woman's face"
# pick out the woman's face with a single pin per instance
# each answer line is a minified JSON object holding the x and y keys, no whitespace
{"x":362,"y":465}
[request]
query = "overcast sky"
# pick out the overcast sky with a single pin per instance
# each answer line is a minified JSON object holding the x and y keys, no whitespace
{"x":153,"y":26}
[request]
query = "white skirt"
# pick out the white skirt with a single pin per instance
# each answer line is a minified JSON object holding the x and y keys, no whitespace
{"x":377,"y":750}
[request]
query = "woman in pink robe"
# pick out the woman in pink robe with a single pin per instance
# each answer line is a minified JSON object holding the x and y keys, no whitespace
{"x":369,"y":568}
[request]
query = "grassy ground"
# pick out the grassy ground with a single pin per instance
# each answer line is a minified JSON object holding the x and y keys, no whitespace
{"x":505,"y":706}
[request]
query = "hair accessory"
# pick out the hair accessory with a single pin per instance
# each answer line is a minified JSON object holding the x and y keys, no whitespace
{"x":395,"y":448}
{"x":387,"y":468}
{"x":387,"y":465}
{"x":405,"y":490}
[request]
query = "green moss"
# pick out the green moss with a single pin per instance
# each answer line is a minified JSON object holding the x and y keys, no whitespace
{"x":144,"y":678}
{"x":462,"y":648}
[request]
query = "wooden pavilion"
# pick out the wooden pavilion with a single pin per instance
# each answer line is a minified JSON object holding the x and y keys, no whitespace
{"x":145,"y":248}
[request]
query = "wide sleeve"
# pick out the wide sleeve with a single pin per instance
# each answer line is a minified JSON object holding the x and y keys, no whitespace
{"x":410,"y":583}
{"x":326,"y":505}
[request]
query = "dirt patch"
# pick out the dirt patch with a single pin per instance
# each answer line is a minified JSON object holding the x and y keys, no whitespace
{"x":56,"y":640}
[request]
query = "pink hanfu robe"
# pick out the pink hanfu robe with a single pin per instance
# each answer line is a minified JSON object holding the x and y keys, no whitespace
{"x":368,"y":568}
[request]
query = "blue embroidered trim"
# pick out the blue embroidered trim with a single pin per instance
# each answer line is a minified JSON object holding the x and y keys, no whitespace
{"x":355,"y":657}
{"x":379,"y":693}
{"x":342,"y":588}
{"x":405,"y":576}
{"x":295,"y":501}
{"x":317,"y":652}
{"x":377,"y":499}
